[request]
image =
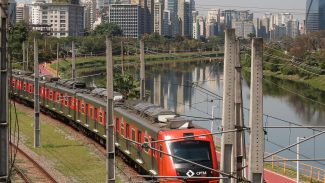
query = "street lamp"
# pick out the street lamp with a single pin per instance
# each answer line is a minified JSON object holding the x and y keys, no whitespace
{"x":212,"y":116}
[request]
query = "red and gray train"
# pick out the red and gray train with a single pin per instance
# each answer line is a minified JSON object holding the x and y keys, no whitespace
{"x":166,"y":137}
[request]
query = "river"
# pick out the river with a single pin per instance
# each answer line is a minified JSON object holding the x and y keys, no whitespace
{"x":193,"y":89}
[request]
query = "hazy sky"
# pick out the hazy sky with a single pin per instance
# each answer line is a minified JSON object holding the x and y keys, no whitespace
{"x":297,"y":7}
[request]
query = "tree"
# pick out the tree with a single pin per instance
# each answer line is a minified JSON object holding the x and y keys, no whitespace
{"x":108,"y":29}
{"x":127,"y":85}
{"x":17,"y":35}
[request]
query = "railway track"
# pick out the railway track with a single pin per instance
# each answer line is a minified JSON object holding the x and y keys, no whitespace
{"x":29,"y":170}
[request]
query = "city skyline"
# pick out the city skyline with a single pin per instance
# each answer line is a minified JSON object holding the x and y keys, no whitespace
{"x":255,"y":6}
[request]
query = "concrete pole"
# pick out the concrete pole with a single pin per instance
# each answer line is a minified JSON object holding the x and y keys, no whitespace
{"x":256,"y":145}
{"x":73,"y":77}
{"x":37,"y":133}
{"x":122,"y":56}
{"x":228,"y":141}
{"x":24,"y":56}
{"x":27,"y":55}
{"x":58,"y":61}
{"x":239,"y":117}
{"x":110,"y":147}
{"x":4,"y":138}
{"x":142,"y":71}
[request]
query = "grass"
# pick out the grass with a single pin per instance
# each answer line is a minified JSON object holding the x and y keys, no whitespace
{"x":315,"y":82}
{"x":289,"y":173}
{"x":69,"y":156}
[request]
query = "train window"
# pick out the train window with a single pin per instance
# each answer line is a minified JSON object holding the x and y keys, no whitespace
{"x":95,"y":114}
{"x":127,"y":133}
{"x":66,"y":100}
{"x":100,"y":116}
{"x":51,"y":95}
{"x":139,"y":136}
{"x":133,"y":135}
{"x":79,"y":106}
{"x":122,"y":128}
{"x":90,"y":112}
{"x":60,"y":99}
{"x":25,"y":87}
{"x":146,"y":140}
{"x":160,"y":149}
{"x":193,"y":150}
{"x":83,"y":108}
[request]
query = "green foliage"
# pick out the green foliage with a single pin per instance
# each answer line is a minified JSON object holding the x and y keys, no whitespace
{"x":108,"y":29}
{"x":17,"y":35}
{"x":127,"y":85}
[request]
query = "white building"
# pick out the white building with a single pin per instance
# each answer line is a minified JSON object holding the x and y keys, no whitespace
{"x":63,"y":19}
{"x":37,"y":12}
{"x":202,"y":27}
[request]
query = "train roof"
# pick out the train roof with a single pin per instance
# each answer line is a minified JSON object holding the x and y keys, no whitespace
{"x":155,"y":115}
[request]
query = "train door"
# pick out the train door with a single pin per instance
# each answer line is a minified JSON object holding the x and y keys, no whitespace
{"x":127,"y":136}
{"x":139,"y":148}
{"x":69,"y":105}
{"x":95,"y":118}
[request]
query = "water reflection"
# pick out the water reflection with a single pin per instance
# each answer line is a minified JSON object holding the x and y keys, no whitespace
{"x":171,"y":86}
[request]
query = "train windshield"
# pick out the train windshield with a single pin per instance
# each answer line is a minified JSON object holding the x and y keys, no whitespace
{"x":193,"y":150}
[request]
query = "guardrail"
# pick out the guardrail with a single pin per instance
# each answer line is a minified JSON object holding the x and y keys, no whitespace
{"x":307,"y":172}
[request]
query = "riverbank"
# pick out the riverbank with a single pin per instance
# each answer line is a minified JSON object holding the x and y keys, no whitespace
{"x":89,"y":65}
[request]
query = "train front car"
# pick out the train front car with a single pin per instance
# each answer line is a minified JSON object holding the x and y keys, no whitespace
{"x":186,"y":154}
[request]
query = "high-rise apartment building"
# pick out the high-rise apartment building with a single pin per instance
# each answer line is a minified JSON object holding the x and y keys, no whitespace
{"x":22,"y":13}
{"x":64,"y":19}
{"x":315,"y":15}
{"x":202,"y":27}
{"x":90,"y":13}
{"x":172,"y":7}
{"x":243,"y":29}
{"x":292,"y":28}
{"x":158,"y":17}
{"x":37,"y":12}
{"x":147,"y":15}
{"x":128,"y":17}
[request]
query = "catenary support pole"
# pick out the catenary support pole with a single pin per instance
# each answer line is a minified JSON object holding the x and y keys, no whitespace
{"x":73,"y":61}
{"x":228,"y":148}
{"x":239,"y":116}
{"x":110,"y":147}
{"x":142,"y":71}
{"x":37,"y":133}
{"x":122,"y":56}
{"x":4,"y":138}
{"x":27,"y":55}
{"x":24,"y":55}
{"x":256,"y":145}
{"x":57,"y":60}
